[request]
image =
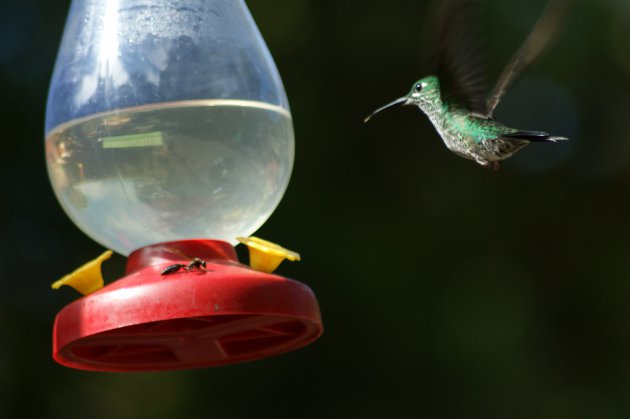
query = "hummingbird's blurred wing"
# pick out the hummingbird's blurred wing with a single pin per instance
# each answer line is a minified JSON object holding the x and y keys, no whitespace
{"x":454,"y":52}
{"x":545,"y":29}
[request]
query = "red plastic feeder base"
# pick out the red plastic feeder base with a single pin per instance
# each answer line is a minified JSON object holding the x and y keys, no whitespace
{"x":149,"y":322}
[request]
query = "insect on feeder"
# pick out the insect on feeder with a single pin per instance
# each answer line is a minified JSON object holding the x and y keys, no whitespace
{"x":167,"y":122}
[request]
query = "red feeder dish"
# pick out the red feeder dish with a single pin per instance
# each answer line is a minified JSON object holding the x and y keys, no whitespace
{"x":223,"y":314}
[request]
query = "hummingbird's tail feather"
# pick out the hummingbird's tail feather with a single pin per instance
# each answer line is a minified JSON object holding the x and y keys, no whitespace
{"x":556,"y":138}
{"x":533,"y":136}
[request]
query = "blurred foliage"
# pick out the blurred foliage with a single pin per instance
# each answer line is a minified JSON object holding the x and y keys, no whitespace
{"x":447,"y":290}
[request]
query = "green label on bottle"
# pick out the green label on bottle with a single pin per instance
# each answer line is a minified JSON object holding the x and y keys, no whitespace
{"x":149,"y":139}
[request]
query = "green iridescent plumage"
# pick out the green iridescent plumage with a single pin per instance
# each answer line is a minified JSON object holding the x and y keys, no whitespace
{"x":460,"y":112}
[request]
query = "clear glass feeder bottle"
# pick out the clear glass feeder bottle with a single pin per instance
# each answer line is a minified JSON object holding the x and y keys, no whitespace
{"x":166,"y":121}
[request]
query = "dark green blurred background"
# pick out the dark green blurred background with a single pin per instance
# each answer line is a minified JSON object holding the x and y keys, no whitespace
{"x":447,"y":290}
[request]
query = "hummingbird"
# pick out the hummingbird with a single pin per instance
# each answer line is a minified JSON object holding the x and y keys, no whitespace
{"x":453,"y":94}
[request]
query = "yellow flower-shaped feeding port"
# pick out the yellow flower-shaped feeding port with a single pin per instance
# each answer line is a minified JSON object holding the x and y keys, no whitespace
{"x":86,"y":279}
{"x":266,"y":256}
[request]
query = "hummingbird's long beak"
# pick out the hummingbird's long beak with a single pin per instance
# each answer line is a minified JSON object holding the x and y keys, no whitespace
{"x":400,"y":101}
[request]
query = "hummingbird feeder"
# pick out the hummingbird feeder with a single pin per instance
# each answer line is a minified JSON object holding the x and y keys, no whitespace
{"x":168,"y":140}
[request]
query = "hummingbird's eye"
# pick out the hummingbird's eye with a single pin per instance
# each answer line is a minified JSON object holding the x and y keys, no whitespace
{"x":418,"y":87}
